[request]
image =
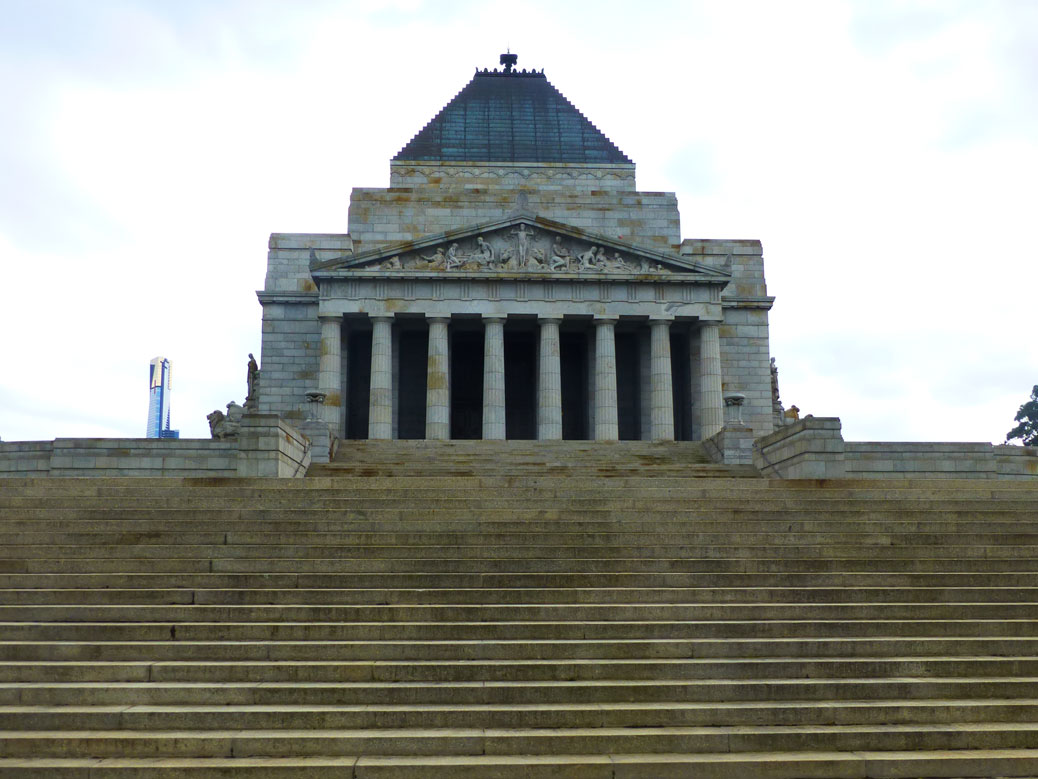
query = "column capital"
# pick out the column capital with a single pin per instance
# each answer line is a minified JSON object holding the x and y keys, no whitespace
{"x":494,"y":318}
{"x":446,"y":320}
{"x":381,"y":317}
{"x":557,"y":318}
{"x":329,"y":317}
{"x":606,"y":320}
{"x":659,"y":321}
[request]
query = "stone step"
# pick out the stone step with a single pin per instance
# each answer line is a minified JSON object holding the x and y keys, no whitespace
{"x":947,"y":764}
{"x":531,"y":630}
{"x":515,"y":669}
{"x":878,"y":548}
{"x":512,"y":580}
{"x":790,"y":692}
{"x":504,"y":566}
{"x":554,"y":612}
{"x":536,"y":741}
{"x":625,"y":714}
{"x":516,"y":595}
{"x":516,"y":649}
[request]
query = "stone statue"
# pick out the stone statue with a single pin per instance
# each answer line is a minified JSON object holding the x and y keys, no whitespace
{"x":223,"y":426}
{"x":560,"y":255}
{"x":453,"y":258}
{"x":393,"y":263}
{"x":588,"y":258}
{"x":252,"y":384}
{"x":521,"y":237}
{"x":775,"y":402}
{"x":484,"y":252}
{"x":438,"y":261}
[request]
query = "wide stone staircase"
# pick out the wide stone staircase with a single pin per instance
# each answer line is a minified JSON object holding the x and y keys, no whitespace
{"x":518,"y":610}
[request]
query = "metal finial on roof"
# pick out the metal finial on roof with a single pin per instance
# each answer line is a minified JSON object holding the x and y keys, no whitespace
{"x":509,"y":60}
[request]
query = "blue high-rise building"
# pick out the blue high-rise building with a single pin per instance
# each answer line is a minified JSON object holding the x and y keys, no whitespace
{"x":158,"y":407}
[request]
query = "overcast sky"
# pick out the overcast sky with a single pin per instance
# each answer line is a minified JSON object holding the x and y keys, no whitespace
{"x":886,"y":153}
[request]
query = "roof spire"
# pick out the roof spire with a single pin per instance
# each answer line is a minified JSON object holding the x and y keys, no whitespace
{"x":508,"y":60}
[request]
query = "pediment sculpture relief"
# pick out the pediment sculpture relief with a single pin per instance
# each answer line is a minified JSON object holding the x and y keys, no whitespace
{"x":521,"y":249}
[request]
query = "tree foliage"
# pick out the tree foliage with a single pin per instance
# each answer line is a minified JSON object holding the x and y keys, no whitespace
{"x":1027,"y":416}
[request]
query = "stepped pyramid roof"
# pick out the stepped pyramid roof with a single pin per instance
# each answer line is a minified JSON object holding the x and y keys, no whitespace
{"x":511,"y":116}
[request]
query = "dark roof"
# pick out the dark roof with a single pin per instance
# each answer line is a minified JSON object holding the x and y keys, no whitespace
{"x":511,"y":117}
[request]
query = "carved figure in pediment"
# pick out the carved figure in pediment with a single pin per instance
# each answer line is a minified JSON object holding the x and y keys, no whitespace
{"x":522,"y":236}
{"x":560,"y":256}
{"x":617,"y":264}
{"x":537,"y":260}
{"x":588,"y":259}
{"x":453,"y":258}
{"x":393,"y":263}
{"x":438,"y":261}
{"x":484,"y":253}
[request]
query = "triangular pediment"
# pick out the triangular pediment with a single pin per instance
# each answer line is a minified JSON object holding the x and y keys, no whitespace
{"x":522,"y":243}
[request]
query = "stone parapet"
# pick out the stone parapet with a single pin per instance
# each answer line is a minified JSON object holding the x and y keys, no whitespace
{"x":165,"y":457}
{"x":812,"y":448}
{"x":931,"y":460}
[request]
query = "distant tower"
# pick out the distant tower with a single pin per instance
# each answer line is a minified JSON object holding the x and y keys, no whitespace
{"x":158,"y":408}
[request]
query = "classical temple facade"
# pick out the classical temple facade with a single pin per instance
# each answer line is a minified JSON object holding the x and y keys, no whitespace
{"x":513,"y":283}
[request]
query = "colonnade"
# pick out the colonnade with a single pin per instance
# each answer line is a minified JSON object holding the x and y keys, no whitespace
{"x":603,"y":393}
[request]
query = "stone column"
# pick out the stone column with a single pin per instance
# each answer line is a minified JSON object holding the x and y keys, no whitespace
{"x":437,"y":382}
{"x":329,"y":379}
{"x":549,"y":382}
{"x":661,"y":381}
{"x":380,"y":408}
{"x":494,"y":378}
{"x":606,"y":425}
{"x":711,"y":409}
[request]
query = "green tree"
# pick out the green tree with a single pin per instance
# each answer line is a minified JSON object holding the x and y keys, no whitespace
{"x":1027,"y":416}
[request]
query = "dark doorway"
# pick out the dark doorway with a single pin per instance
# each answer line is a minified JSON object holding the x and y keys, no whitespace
{"x":520,"y":385}
{"x":573,"y":358}
{"x":358,"y":390}
{"x":414,"y":351}
{"x":682,"y":382}
{"x":628,"y":386}
{"x":466,"y":354}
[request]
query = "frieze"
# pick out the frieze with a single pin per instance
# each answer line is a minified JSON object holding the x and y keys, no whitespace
{"x":519,"y":249}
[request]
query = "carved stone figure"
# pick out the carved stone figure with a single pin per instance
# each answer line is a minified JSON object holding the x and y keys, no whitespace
{"x":223,"y":426}
{"x":775,"y":386}
{"x":484,"y":252}
{"x":536,"y":260}
{"x":522,"y":235}
{"x":453,"y":258}
{"x":393,"y":263}
{"x":252,"y":383}
{"x":438,"y":261}
{"x":587,"y":259}
{"x":560,"y":256}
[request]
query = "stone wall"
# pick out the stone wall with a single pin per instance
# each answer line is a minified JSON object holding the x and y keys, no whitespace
{"x":119,"y":457}
{"x":381,"y":217}
{"x":745,"y":346}
{"x":924,"y":460}
{"x":813,"y":448}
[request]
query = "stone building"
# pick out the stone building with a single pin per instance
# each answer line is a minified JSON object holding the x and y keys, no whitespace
{"x":512,"y":282}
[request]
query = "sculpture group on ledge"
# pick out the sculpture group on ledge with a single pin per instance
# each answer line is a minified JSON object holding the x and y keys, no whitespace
{"x":524,"y":250}
{"x":226,"y":426}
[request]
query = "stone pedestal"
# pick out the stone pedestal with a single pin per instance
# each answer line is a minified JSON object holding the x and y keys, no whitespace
{"x":811,"y":448}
